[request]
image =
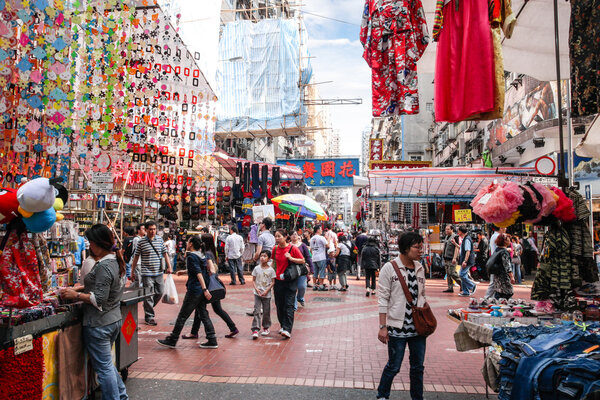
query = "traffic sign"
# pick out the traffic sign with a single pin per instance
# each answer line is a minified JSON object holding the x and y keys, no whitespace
{"x":545,"y":165}
{"x":101,"y":203}
{"x":588,"y":192}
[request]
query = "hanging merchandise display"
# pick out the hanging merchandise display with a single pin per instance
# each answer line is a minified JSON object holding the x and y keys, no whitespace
{"x":394,"y":36}
{"x":469,"y":73}
{"x":584,"y":56}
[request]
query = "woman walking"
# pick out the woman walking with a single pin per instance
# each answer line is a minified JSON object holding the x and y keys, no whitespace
{"x":343,"y":260}
{"x":212,"y":261}
{"x":500,"y":263}
{"x":516,"y":258}
{"x":101,"y":296}
{"x":285,"y":291}
{"x":396,"y":324}
{"x":303,"y":280}
{"x":370,"y":261}
{"x":196,"y":298}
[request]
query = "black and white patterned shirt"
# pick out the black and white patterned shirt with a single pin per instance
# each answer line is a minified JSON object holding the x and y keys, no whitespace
{"x":149,"y":257}
{"x":408,"y":328}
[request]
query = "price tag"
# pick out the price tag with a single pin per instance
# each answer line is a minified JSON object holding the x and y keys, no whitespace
{"x":485,"y":198}
{"x":23,"y":344}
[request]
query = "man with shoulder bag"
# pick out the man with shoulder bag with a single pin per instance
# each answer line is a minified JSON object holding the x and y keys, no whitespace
{"x":405,"y":318}
{"x":151,"y":250}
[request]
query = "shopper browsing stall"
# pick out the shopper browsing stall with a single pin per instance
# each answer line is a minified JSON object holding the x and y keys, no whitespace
{"x":101,"y":295}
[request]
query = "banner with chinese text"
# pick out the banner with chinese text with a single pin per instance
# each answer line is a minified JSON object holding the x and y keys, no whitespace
{"x":336,"y":172}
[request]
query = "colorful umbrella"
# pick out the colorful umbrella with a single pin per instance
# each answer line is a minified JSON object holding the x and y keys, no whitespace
{"x":301,"y":205}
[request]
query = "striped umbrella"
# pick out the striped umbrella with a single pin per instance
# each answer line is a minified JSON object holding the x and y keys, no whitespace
{"x":301,"y":205}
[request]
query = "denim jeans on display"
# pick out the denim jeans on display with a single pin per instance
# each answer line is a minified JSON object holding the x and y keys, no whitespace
{"x":466,"y":284}
{"x":396,"y":349}
{"x":98,"y":342}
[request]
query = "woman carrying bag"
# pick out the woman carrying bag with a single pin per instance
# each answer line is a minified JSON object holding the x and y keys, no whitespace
{"x":370,"y":262}
{"x":343,"y":260}
{"x":196,"y":298}
{"x":285,"y":290}
{"x":500,"y":265}
{"x":401,"y":302}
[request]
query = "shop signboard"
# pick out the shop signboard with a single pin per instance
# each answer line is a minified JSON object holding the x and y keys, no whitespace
{"x":378,"y":165}
{"x":102,"y":183}
{"x":463,"y":215}
{"x":327,"y":172}
{"x":260,"y":212}
{"x":375,"y":149}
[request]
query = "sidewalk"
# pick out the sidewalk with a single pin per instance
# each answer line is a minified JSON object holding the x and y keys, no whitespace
{"x":334,"y":344}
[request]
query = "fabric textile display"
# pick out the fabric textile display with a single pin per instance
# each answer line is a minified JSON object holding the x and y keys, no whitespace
{"x":22,"y":375}
{"x":465,"y":72}
{"x":585,"y":57}
{"x":394,"y":36}
{"x":71,"y":363}
{"x":20,"y":283}
{"x":50,"y":383}
{"x":548,"y":362}
{"x":275,"y":189}
{"x":255,"y":181}
{"x":246,"y":181}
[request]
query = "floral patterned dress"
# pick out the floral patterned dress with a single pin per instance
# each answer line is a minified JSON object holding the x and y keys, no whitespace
{"x":394,"y":36}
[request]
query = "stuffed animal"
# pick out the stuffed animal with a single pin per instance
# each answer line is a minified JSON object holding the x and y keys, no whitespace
{"x":9,"y":205}
{"x":35,"y":196}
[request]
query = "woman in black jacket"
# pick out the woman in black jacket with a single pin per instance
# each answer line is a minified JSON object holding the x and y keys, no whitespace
{"x":370,"y":262}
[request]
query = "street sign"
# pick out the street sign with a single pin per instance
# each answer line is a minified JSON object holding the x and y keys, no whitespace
{"x":101,"y":203}
{"x":548,"y":181}
{"x":102,"y":183}
{"x":588,"y":192}
{"x":545,"y":165}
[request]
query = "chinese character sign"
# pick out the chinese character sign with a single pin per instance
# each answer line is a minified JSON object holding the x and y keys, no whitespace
{"x":376,"y":150}
{"x":337,"y":172}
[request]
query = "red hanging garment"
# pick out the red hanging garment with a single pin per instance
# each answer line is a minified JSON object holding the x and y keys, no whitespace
{"x":464,"y":70}
{"x":19,"y":273}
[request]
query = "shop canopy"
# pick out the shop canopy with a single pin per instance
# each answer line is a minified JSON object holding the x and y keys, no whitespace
{"x":285,"y":172}
{"x":423,"y":185}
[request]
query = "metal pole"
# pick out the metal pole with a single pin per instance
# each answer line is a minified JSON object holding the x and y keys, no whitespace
{"x":561,"y":160}
{"x":571,"y":164}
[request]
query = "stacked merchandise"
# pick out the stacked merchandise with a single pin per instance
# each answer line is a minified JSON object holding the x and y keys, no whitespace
{"x":540,"y":362}
{"x":566,"y":260}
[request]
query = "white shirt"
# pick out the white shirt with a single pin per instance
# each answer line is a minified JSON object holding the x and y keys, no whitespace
{"x":170,"y":246}
{"x":234,"y":246}
{"x":318,"y":246}
{"x":493,"y":242}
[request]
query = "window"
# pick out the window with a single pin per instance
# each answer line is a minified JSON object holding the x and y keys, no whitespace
{"x":429,"y":107}
{"x":416,"y":158}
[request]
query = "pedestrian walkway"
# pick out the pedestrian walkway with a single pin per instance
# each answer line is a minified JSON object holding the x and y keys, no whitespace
{"x":334,"y":344}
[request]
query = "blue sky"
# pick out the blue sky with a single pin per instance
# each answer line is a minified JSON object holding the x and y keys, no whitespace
{"x":338,"y":58}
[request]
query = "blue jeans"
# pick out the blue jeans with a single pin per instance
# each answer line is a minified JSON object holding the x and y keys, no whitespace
{"x":320,"y":269}
{"x":127,"y":269}
{"x":466,"y":284}
{"x":98,"y":342}
{"x":396,"y":348}
{"x":302,"y":281}
{"x":236,"y":267}
{"x":516,"y":268}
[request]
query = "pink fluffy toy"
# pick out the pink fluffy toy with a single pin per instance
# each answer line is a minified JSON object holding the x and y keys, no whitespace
{"x":564,"y":209}
{"x":498,"y":202}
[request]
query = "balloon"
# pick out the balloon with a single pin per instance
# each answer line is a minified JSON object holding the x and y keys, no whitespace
{"x":40,"y":221}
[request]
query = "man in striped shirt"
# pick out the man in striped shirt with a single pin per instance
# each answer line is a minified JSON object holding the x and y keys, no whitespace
{"x":150,"y":250}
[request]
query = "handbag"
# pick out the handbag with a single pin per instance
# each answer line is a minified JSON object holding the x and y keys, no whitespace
{"x":216,"y":288}
{"x":494,"y":263}
{"x":293,"y":271}
{"x":425,"y":322}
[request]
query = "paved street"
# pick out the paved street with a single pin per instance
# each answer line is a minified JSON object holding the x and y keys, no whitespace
{"x":334,"y":345}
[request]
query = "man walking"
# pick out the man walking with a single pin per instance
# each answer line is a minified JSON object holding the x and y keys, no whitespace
{"x":466,"y":261}
{"x":151,"y":249}
{"x":360,"y":242}
{"x":318,"y":247}
{"x":450,"y":253}
{"x":481,"y":256}
{"x":266,"y":240}
{"x":234,"y":247}
{"x":136,"y":274}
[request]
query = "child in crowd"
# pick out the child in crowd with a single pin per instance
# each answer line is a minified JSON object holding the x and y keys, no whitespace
{"x":264,"y":279}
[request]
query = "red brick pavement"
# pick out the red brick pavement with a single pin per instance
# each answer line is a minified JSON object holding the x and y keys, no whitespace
{"x":333,"y":344}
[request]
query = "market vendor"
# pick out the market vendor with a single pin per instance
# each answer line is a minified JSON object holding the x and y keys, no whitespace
{"x":101,"y":295}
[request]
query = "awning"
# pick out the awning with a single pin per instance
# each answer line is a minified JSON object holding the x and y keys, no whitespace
{"x":420,"y":185}
{"x":286,"y":173}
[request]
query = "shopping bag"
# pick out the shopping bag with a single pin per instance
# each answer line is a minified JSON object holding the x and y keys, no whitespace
{"x":216,"y":288}
{"x":170,"y":293}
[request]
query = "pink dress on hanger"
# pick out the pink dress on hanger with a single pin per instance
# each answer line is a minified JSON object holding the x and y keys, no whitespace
{"x":464,"y":70}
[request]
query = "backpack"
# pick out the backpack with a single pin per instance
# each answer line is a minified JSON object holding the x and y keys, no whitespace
{"x":127,"y":249}
{"x":494,"y":263}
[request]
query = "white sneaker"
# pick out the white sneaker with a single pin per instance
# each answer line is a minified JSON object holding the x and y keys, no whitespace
{"x":255,"y":335}
{"x":265,"y":332}
{"x":280,"y":331}
{"x":286,"y":334}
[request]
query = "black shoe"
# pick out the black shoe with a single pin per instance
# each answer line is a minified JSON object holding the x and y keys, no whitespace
{"x":232,"y":283}
{"x":315,"y":288}
{"x":243,"y":283}
{"x":448,"y":291}
{"x":301,"y":302}
{"x":168,"y":342}
{"x":367,"y":294}
{"x":151,"y":322}
{"x":211,"y":344}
